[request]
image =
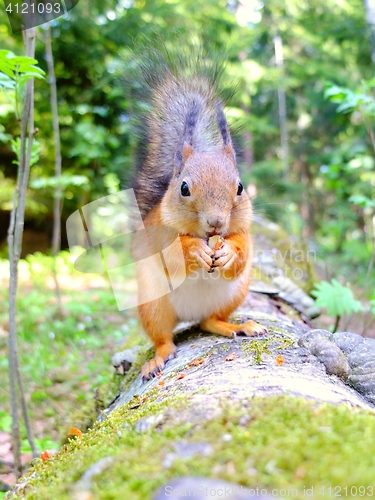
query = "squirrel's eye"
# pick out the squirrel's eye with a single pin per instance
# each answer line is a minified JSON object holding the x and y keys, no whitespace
{"x":240,"y":189}
{"x":185,"y":189}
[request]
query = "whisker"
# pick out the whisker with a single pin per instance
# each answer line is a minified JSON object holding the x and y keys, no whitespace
{"x":265,"y":204}
{"x":262,"y":190}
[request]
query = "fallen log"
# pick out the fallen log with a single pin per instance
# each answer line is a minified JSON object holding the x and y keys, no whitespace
{"x":287,"y":414}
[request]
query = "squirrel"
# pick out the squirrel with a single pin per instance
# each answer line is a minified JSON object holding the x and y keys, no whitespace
{"x":188,"y":182}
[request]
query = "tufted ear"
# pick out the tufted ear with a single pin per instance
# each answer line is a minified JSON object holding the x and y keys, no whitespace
{"x":228,"y":148}
{"x":229,"y":151}
{"x":187,"y":150}
{"x":181,"y":156}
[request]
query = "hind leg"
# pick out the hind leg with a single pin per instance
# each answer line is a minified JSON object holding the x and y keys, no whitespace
{"x":158,"y":319}
{"x":218,"y":326}
{"x":218,"y":323}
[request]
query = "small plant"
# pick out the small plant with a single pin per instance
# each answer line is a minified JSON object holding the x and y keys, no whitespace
{"x":337,"y":299}
{"x":15,"y":71}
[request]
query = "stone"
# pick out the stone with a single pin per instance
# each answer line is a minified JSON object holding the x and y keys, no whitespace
{"x":312,"y":336}
{"x":147,"y":423}
{"x":123,"y":360}
{"x":347,"y":341}
{"x":331,"y":356}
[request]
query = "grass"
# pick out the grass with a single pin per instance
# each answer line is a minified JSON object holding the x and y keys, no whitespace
{"x":64,"y":358}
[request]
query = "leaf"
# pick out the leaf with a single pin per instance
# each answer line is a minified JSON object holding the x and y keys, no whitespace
{"x":5,"y":69}
{"x":30,"y":68}
{"x":280,"y":360}
{"x":6,"y":81}
{"x":231,"y":357}
{"x":15,"y":67}
{"x":75,"y":432}
{"x":335,"y":93}
{"x":362,"y":201}
{"x":23,"y":60}
{"x":6,"y":53}
{"x":336,"y":298}
{"x":26,"y":77}
{"x":45,"y":455}
{"x":16,"y":148}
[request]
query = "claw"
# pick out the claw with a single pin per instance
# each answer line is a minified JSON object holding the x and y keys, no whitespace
{"x":173,"y":355}
{"x":156,"y":365}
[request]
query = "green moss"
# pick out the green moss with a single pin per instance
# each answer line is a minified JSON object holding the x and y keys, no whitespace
{"x":266,"y":346}
{"x":85,"y":417}
{"x":226,"y":347}
{"x":257,"y":347}
{"x":284,"y":442}
{"x":144,"y":355}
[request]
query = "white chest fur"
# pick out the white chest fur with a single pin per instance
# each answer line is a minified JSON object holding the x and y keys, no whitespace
{"x":202,"y":294}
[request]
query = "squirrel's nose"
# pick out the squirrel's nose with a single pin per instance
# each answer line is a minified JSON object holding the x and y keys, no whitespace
{"x":215,"y":222}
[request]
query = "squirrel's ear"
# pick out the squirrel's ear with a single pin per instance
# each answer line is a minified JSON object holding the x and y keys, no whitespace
{"x":229,"y":151}
{"x":228,"y":148}
{"x":187,"y":150}
{"x":181,"y":156}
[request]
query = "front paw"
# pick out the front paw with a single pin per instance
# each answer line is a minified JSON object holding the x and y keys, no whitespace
{"x":201,"y":254}
{"x":224,"y":258}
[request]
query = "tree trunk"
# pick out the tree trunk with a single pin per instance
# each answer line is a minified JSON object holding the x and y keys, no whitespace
{"x":284,"y":140}
{"x":15,"y":233}
{"x":56,"y":235}
{"x":248,"y":151}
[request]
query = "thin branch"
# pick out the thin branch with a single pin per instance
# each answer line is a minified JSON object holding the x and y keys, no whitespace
{"x":56,"y":236}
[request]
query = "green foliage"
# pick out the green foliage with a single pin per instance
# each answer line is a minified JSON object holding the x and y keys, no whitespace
{"x":35,"y":150}
{"x":331,"y":159}
{"x":372,"y":306}
{"x":362,"y":201}
{"x":19,"y":68}
{"x":45,"y":443}
{"x":336,"y":298}
{"x":351,"y":100}
{"x":5,"y":421}
{"x":65,"y":181}
{"x":15,"y":71}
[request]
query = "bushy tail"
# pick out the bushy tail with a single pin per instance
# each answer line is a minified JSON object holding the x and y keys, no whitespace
{"x":173,"y":88}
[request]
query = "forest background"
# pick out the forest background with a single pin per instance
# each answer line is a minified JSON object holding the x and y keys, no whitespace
{"x":304,"y":110}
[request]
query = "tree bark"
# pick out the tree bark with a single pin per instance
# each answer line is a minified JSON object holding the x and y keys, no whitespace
{"x":15,"y":233}
{"x":304,"y":368}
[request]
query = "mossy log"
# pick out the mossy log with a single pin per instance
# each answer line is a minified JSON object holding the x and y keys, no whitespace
{"x":273,"y":416}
